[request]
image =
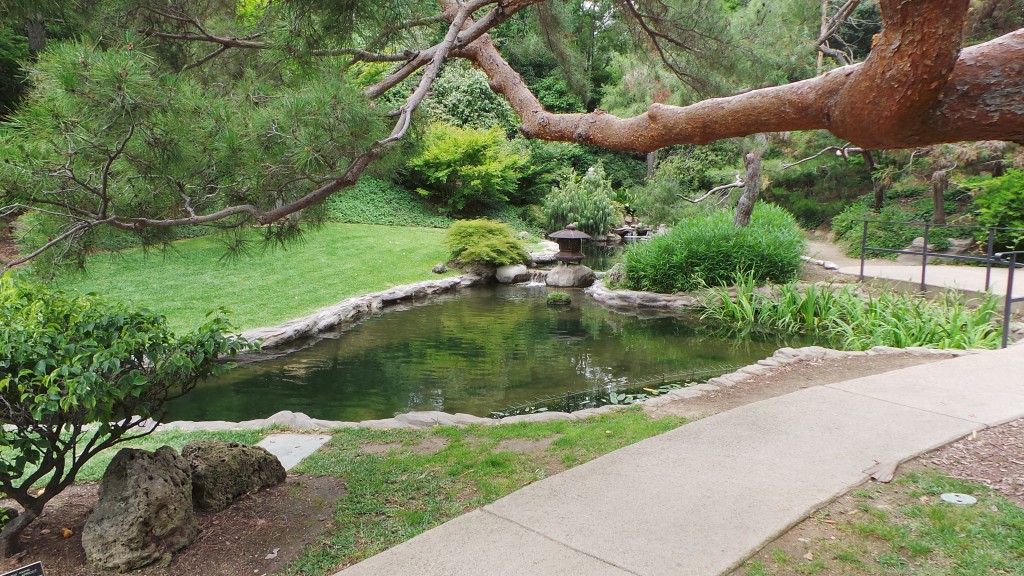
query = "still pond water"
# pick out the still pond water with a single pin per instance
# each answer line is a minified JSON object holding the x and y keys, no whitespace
{"x":480,"y":351}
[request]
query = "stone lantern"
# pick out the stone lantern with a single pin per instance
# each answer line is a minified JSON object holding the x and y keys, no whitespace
{"x":570,"y":244}
{"x":570,"y":273}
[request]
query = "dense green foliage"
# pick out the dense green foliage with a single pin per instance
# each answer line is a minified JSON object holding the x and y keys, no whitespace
{"x":373,"y":201}
{"x":708,"y":250}
{"x":588,"y":202}
{"x":461,"y":96}
{"x":67,"y":362}
{"x":464,"y":167}
{"x":484,"y":242}
{"x":687,"y":172}
{"x":856,"y":322}
{"x":1000,"y":203}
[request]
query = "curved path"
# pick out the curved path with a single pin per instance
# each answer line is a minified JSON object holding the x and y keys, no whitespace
{"x":701,"y":499}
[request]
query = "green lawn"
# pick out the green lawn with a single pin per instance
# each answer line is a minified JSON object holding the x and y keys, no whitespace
{"x":266,"y":286}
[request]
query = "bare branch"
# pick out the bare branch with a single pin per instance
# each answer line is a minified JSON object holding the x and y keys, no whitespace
{"x":809,"y":158}
{"x":76,"y":229}
{"x":717,"y":189}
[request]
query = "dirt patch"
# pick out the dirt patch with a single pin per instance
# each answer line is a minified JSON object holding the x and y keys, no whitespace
{"x":523,"y":445}
{"x":277,"y":522}
{"x":993,"y":457}
{"x":379,"y":447}
{"x":8,"y":250}
{"x":790,"y":378}
{"x":537,"y":450}
{"x":426,"y":447}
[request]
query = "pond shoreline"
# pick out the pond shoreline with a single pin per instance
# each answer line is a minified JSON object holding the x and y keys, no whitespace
{"x":429,"y":419}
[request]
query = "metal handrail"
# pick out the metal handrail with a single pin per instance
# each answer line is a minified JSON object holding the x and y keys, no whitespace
{"x":991,"y":258}
{"x":1010,"y":300}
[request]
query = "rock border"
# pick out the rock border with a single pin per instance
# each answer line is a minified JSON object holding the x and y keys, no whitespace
{"x":353,"y":310}
{"x":634,"y":299}
{"x":429,"y":419}
{"x":826,"y":264}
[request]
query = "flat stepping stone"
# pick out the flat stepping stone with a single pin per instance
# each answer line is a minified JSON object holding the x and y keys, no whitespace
{"x":291,"y":449}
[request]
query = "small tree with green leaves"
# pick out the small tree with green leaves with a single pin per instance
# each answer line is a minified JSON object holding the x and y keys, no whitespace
{"x":79,"y":375}
{"x":587,"y":201}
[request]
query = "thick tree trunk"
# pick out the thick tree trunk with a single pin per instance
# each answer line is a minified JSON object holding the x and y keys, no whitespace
{"x":751,"y":187}
{"x":35,"y":29}
{"x":877,"y":187}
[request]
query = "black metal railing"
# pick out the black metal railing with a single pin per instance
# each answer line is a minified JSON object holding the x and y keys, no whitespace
{"x":991,"y":259}
{"x":1010,"y":300}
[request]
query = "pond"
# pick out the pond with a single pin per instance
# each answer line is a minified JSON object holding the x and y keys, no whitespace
{"x":480,"y":351}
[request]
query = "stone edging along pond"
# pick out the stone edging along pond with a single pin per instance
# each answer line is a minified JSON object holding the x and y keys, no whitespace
{"x":354,"y":310}
{"x":414,"y":420}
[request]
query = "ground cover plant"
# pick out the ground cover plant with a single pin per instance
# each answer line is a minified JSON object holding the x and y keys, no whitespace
{"x":68,"y":363}
{"x":708,"y":250}
{"x":854,"y":321}
{"x":904,"y":528}
{"x":263,"y":285}
{"x":374,"y":201}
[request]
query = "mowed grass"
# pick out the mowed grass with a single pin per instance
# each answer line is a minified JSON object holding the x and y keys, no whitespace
{"x":400,"y":483}
{"x":265,"y":286}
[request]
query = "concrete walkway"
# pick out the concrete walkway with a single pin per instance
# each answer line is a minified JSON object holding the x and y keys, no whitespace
{"x":937,"y":276}
{"x":701,"y":499}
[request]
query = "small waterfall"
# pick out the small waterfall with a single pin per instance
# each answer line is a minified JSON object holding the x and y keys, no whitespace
{"x":537,"y":278}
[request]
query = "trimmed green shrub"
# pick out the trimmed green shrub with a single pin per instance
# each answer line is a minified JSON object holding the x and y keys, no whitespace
{"x":461,"y":167}
{"x":69,"y":362}
{"x":1000,"y":203}
{"x":709,"y":250}
{"x":484,"y":242}
{"x":587,"y":201}
{"x":373,"y":201}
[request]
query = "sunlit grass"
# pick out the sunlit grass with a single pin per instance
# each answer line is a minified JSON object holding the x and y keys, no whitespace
{"x":264,"y":286}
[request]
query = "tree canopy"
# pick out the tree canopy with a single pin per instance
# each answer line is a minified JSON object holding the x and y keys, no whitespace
{"x":169,"y":113}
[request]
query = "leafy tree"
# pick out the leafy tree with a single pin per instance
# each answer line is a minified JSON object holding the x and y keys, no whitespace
{"x":79,"y":375}
{"x":285,"y":109}
{"x":461,"y":167}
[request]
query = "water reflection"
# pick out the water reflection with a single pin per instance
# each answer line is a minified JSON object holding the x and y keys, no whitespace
{"x":481,"y":351}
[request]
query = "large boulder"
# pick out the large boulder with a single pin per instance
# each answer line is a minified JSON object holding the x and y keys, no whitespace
{"x":144,"y":513}
{"x":223,"y":471}
{"x":512,"y":274}
{"x":570,"y":276}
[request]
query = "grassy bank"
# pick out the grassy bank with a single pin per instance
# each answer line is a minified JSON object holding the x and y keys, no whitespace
{"x":903,"y":528}
{"x":400,"y":483}
{"x":266,"y":286}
